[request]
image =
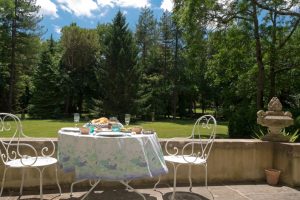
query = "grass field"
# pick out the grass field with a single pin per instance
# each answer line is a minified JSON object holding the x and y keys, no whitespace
{"x":164,"y":129}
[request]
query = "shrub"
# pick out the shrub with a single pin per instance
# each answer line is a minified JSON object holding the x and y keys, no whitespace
{"x":241,"y":123}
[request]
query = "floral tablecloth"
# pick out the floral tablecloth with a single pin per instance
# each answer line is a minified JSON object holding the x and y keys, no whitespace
{"x":110,"y":158}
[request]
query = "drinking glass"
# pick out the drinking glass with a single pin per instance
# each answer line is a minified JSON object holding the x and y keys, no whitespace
{"x":127,"y":119}
{"x":76,"y":118}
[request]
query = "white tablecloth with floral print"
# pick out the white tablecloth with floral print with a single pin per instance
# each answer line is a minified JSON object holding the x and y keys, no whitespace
{"x":110,"y":158}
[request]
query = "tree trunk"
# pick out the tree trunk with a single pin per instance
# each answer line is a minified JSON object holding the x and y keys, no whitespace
{"x":12,"y":78}
{"x":175,"y":78}
{"x":203,"y":104}
{"x":174,"y":102}
{"x":273,"y":57}
{"x":259,"y":60}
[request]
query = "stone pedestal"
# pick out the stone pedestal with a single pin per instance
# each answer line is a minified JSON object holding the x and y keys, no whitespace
{"x":275,"y":119}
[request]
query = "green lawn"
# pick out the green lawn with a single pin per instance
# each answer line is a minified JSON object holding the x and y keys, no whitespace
{"x":164,"y":129}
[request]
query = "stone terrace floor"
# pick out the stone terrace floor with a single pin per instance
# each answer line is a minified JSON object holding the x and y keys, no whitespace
{"x":220,"y":192}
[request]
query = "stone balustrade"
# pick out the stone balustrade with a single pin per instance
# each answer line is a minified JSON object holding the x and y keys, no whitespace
{"x":230,"y":161}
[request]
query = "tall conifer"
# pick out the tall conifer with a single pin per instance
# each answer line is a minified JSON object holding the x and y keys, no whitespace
{"x":120,"y":72}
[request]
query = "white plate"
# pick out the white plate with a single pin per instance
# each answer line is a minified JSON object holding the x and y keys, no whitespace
{"x":104,"y":130}
{"x":110,"y":134}
{"x":70,"y":129}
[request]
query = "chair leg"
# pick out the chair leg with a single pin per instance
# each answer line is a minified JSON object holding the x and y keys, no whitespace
{"x":41,"y":182}
{"x":174,"y":181}
{"x":59,"y":188}
{"x":212,"y":195}
{"x":22,"y":183}
{"x":3,"y":179}
{"x":154,"y":188}
{"x":206,"y":176}
{"x":190,"y":179}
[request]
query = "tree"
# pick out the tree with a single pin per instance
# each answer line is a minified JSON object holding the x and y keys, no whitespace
{"x":166,"y":58}
{"x":195,"y":32}
{"x":78,"y":63}
{"x":20,"y":31}
{"x":120,"y":75}
{"x":47,"y":95}
{"x":232,"y":72}
{"x":146,"y":34}
{"x":232,"y":30}
{"x":280,"y":24}
{"x":147,"y":42}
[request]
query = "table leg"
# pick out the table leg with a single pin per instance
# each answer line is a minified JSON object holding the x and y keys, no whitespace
{"x":71,"y":193}
{"x":128,"y":186}
{"x":127,"y":183}
{"x":96,"y":183}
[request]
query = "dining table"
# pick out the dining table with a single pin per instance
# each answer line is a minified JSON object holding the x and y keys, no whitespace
{"x":110,"y":156}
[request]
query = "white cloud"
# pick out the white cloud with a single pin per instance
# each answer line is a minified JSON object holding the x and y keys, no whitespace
{"x":294,"y":6}
{"x":104,"y":13}
{"x":124,"y":3}
{"x":47,"y":8}
{"x":167,"y":5}
{"x":57,"y":29}
{"x":65,"y":8}
{"x":105,"y":3}
{"x":78,"y":7}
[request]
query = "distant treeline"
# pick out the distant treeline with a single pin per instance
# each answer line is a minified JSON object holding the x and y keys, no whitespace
{"x":227,"y":57}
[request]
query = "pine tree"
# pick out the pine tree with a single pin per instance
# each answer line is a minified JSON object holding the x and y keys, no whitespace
{"x":147,"y":40}
{"x":120,"y":76}
{"x":47,"y":97}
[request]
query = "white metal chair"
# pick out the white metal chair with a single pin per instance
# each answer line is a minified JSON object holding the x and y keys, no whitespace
{"x":15,"y":153}
{"x":195,"y":152}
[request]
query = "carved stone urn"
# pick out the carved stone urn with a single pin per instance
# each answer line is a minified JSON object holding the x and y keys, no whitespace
{"x":275,"y":119}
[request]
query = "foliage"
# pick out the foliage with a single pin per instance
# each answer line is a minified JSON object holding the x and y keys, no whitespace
{"x":120,"y":73}
{"x":46,"y":100}
{"x":242,"y":121}
{"x":228,"y":57}
{"x":292,"y":136}
{"x":297,"y":122}
{"x":78,"y":66}
{"x":19,"y":39}
{"x":258,"y":134}
{"x":147,"y":41}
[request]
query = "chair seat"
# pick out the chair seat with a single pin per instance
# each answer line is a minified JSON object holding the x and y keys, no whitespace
{"x":185,"y":159}
{"x":40,"y":162}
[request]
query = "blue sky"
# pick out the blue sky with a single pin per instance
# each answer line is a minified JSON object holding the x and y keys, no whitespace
{"x":88,"y":13}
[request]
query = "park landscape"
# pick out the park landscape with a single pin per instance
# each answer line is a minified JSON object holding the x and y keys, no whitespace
{"x":227,"y":59}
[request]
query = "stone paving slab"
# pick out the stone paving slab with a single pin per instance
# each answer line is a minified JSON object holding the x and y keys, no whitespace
{"x":223,"y":192}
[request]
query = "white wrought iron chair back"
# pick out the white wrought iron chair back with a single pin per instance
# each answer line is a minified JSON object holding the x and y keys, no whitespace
{"x":16,"y":153}
{"x":195,"y":152}
{"x":198,"y":146}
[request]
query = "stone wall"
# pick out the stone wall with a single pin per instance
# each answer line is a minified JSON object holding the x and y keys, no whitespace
{"x":231,"y":160}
